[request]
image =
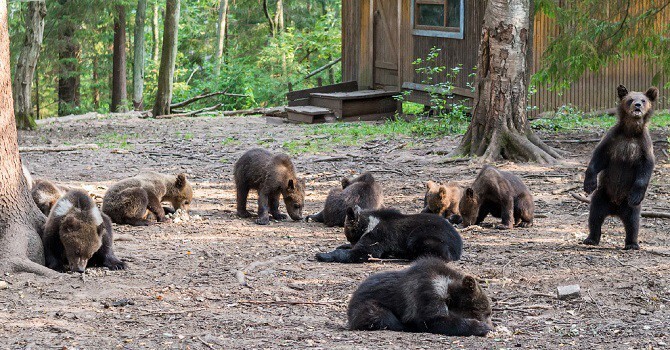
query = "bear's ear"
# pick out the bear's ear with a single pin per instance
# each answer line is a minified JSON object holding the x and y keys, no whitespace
{"x":621,"y":92}
{"x":652,"y":94}
{"x":291,"y":185}
{"x":345,"y":182}
{"x":469,"y":192}
{"x":181,"y":181}
{"x":430,"y":184}
{"x":357,"y":210}
{"x":442,"y":191}
{"x":70,"y":223}
{"x":469,"y":284}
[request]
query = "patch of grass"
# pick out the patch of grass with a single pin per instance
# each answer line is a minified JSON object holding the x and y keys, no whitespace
{"x":116,"y":140}
{"x":266,"y":142}
{"x":187,"y":136}
{"x":230,"y":141}
{"x":570,"y":118}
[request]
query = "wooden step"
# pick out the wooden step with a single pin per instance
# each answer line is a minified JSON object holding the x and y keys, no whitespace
{"x":309,"y":114}
{"x":376,"y":104}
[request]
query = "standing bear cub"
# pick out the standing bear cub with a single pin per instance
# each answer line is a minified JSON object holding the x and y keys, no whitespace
{"x":388,"y":233}
{"x":272,"y":176}
{"x":430,"y":297}
{"x":501,"y":194}
{"x":76,"y":235}
{"x":621,"y":167}
{"x":131,"y":200}
{"x":363,"y":191}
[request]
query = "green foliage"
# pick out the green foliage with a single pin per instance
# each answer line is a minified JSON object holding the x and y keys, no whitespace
{"x":593,"y":33}
{"x":116,"y":140}
{"x":570,"y":118}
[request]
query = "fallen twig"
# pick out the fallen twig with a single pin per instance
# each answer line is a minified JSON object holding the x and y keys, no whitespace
{"x":386,"y":260}
{"x":240,"y":275}
{"x":644,"y":214}
{"x":203,"y":96}
{"x":565,"y":189}
{"x":600,"y":310}
{"x":157,"y":312}
{"x":84,"y":146}
{"x":284,"y":302}
{"x":329,"y":159}
{"x":206,"y":343}
{"x":191,"y":113}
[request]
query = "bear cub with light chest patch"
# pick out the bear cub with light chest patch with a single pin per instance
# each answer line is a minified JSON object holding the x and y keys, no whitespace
{"x":501,"y":194}
{"x":621,"y":166}
{"x":388,"y":233}
{"x":363,"y":191}
{"x":272,"y":175}
{"x":428,"y":297}
{"x":443,"y":200}
{"x":77,"y":235}
{"x":46,"y":193}
{"x":131,"y":200}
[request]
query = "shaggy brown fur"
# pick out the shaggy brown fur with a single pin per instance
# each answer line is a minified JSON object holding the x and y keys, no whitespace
{"x":363,"y":191}
{"x":430,"y":296}
{"x":272,"y":176}
{"x":129,"y":201}
{"x":501,"y":194}
{"x":621,"y":167}
{"x":46,"y":193}
{"x":443,"y":200}
{"x":77,"y":235}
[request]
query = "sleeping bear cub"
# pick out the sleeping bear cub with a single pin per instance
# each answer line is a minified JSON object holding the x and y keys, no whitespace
{"x":429,"y":297}
{"x":363,"y":191}
{"x":388,"y":233}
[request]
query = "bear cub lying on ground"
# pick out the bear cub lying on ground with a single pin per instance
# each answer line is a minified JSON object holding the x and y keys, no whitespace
{"x":443,"y":200}
{"x":621,"y":166}
{"x":501,"y":194}
{"x":430,"y":296}
{"x":76,"y":235}
{"x":272,"y":176}
{"x":363,"y":191}
{"x":130,"y":201}
{"x":388,"y":233}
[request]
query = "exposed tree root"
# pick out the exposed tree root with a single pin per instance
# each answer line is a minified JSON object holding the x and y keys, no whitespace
{"x":509,"y":145}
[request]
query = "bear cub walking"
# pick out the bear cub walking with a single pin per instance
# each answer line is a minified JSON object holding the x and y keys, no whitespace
{"x":621,"y":167}
{"x":388,"y":233}
{"x":129,"y":201}
{"x":501,"y":194}
{"x":76,"y":235}
{"x":443,"y":200}
{"x":272,"y":176}
{"x":430,"y":296}
{"x":363,"y":191}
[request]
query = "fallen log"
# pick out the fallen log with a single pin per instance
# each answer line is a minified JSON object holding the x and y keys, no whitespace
{"x":644,"y":214}
{"x":191,"y":113}
{"x":80,"y":147}
{"x":252,"y":111}
{"x":203,"y":96}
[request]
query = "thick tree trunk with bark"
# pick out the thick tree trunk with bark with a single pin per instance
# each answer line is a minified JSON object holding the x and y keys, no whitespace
{"x":221,"y":35}
{"x":154,"y":32}
{"x":69,"y":96}
{"x":20,"y":219}
{"x":168,"y":57}
{"x":138,"y":56}
{"x":499,"y":128}
{"x":119,"y":87}
{"x":26,"y":64}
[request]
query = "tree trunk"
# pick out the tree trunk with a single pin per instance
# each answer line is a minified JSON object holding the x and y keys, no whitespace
{"x":119,"y":88}
{"x":271,"y":23}
{"x":221,"y":34}
{"x":68,"y":55}
{"x":96,"y":78}
{"x":20,"y":220}
{"x":499,"y":128}
{"x":138,"y":56}
{"x":154,"y":31}
{"x":168,"y":57}
{"x":26,"y":64}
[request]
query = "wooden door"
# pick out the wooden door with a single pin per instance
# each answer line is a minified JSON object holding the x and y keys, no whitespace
{"x":385,"y":37}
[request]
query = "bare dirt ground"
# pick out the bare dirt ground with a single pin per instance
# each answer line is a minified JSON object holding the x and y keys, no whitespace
{"x":181,"y":290}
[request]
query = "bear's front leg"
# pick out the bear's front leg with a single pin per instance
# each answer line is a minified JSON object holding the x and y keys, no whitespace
{"x":263,"y":208}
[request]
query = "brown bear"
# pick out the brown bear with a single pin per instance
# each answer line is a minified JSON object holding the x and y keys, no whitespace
{"x":76,"y":235}
{"x":501,"y":194}
{"x":621,"y":167}
{"x":428,"y":297}
{"x":46,"y":193}
{"x":272,"y":175}
{"x":443,"y":200}
{"x":131,"y":200}
{"x":363,"y":191}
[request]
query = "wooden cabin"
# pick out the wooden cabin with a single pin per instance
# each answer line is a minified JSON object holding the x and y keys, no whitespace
{"x":381,"y":39}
